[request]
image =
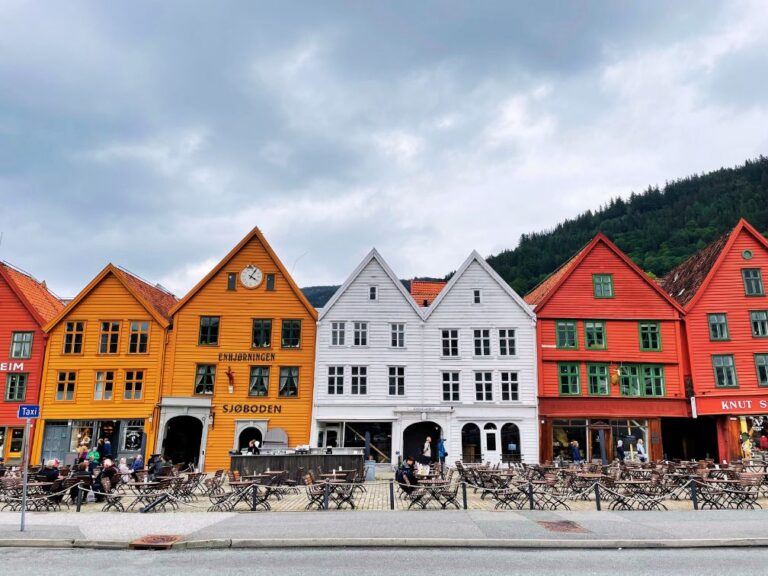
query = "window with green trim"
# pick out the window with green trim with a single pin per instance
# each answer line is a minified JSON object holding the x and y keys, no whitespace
{"x":650,"y":336}
{"x":725,"y":371}
{"x":603,"y":285}
{"x":594,"y":334}
{"x":759,"y":320}
{"x":630,"y":381}
{"x":565,"y":332}
{"x":753,"y":281}
{"x":597,"y":379}
{"x":569,"y":379}
{"x":653,"y":380}
{"x":761,"y":364}
{"x":718,"y":326}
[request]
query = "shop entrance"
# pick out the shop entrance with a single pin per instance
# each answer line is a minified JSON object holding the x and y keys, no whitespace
{"x":510,"y":443}
{"x":181,"y":443}
{"x":247,"y":435}
{"x":415,"y":435}
{"x":470,"y":444}
{"x":689,"y":438}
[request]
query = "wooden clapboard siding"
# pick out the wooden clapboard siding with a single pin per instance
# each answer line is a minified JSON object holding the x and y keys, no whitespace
{"x":724,"y":293}
{"x":636,"y":298}
{"x":16,"y":316}
{"x":236,"y":310}
{"x":106,"y":299}
{"x":499,"y":309}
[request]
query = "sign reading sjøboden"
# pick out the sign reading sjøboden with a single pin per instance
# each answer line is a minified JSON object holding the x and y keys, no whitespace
{"x":29,"y":411}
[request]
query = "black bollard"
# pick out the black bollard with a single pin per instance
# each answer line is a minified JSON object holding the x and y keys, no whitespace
{"x":464,"y":494}
{"x":530,"y":496}
{"x":253,"y":497}
{"x":391,"y":494}
{"x":79,"y":498}
{"x":694,"y":495}
{"x":326,"y":495}
{"x":597,"y":496}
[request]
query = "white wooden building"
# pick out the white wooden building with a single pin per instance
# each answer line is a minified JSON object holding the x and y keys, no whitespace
{"x":463,"y":367}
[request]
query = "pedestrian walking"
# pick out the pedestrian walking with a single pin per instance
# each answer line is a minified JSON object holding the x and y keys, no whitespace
{"x":620,"y":450}
{"x":641,"y":450}
{"x":441,"y":454}
{"x":426,"y":452}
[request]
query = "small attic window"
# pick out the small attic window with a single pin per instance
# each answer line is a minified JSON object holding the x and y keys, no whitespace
{"x":747,"y":254}
{"x":426,"y":302}
{"x":476,"y":296}
{"x":373,"y":293}
{"x":231,"y":280}
{"x":270,"y":282}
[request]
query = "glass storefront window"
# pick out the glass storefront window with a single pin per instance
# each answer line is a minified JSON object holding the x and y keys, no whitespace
{"x":17,"y":440}
{"x":381,"y":438}
{"x":82,"y":434}
{"x":132,"y":436}
{"x":563,"y":432}
{"x":630,"y":431}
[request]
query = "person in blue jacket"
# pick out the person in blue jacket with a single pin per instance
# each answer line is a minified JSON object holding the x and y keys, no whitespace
{"x":575,"y":452}
{"x":441,"y":454}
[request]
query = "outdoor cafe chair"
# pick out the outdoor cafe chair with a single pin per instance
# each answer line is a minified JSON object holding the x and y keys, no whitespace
{"x":112,"y":498}
{"x":315,"y":493}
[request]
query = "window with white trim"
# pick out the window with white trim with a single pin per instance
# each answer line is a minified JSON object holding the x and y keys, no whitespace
{"x":338,"y":333}
{"x":360,"y":334}
{"x":507,"y":342}
{"x":359,"y":380}
{"x":451,"y":386}
{"x":484,"y":386}
{"x":482,"y":342}
{"x":397,"y":339}
{"x":509,"y":387}
{"x":335,"y":379}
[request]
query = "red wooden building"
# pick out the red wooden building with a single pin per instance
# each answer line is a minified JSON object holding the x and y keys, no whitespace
{"x":25,"y":306}
{"x":611,"y":357}
{"x":722,"y":289}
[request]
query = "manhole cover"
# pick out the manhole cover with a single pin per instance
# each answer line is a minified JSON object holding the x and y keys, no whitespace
{"x":154,"y":542}
{"x":562,"y":526}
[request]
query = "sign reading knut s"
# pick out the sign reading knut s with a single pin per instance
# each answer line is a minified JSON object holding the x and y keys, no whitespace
{"x":739,"y":405}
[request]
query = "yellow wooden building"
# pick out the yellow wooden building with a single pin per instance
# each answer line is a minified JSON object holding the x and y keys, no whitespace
{"x":103,"y":368}
{"x":240,"y":361}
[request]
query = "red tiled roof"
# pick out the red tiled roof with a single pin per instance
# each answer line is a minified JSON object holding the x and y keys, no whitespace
{"x":540,"y":292}
{"x":683,"y":281}
{"x":425,"y":291}
{"x":161,"y":300}
{"x":45,"y":303}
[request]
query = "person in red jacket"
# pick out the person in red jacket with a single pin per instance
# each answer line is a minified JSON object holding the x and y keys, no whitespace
{"x":764,"y":442}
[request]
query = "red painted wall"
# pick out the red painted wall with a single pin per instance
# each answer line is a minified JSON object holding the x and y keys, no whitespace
{"x":16,"y":318}
{"x":725,"y":294}
{"x":634,"y":300}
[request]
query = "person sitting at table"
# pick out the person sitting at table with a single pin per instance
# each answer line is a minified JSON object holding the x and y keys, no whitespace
{"x":157,"y":467}
{"x":406,"y":475}
{"x":125,"y":471}
{"x":93,"y":459}
{"x":138,"y":463}
{"x":109,"y":471}
{"x":82,"y":473}
{"x":50,"y":471}
{"x":253,"y":447}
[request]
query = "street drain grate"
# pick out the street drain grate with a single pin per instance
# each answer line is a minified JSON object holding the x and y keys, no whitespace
{"x":562,"y":526}
{"x":155,"y":542}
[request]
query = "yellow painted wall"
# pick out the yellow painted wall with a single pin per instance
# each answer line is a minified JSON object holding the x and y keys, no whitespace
{"x":237,"y":309}
{"x":108,"y":300}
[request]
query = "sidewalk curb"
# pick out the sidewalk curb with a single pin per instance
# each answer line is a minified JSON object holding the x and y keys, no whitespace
{"x":282,"y":543}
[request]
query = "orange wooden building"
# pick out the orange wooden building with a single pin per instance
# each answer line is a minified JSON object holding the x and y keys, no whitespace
{"x":26,"y":305}
{"x":240,"y":361}
{"x":722,"y":289}
{"x":103,"y":368}
{"x":611,"y":357}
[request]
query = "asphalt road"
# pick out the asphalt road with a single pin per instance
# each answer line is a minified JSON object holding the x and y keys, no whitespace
{"x":385,"y":562}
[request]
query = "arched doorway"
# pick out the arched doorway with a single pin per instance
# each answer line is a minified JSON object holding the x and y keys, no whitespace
{"x":415,"y":435}
{"x":470,"y":443}
{"x":181,"y":443}
{"x":510,"y":443}
{"x":250,"y":433}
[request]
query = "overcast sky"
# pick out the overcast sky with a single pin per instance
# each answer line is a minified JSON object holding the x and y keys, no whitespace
{"x":155,"y":135}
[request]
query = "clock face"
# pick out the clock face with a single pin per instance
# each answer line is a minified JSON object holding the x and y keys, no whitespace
{"x":251,"y":276}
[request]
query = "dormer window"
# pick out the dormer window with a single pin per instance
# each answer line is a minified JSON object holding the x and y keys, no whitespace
{"x":476,"y":296}
{"x":373,"y":293}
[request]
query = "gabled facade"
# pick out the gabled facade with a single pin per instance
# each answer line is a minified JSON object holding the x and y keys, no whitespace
{"x":26,"y":305}
{"x":103,"y":368}
{"x":371,"y":327}
{"x":481,"y":333}
{"x":611,"y":357}
{"x":722,"y":289}
{"x":401,"y":372}
{"x":240,"y":361}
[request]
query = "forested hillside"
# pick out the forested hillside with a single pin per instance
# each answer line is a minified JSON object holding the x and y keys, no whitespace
{"x":657,"y":228}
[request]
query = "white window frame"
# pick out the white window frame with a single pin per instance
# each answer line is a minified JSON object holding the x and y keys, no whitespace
{"x":360,"y":334}
{"x":451,"y":380}
{"x":486,"y":386}
{"x":477,"y":296}
{"x":338,"y":333}
{"x":335,"y":380}
{"x":510,"y":386}
{"x":398,"y":373}
{"x":358,"y":380}
{"x":397,"y":335}
{"x":482,"y":338}
{"x":450,"y":339}
{"x":507,"y":339}
{"x":373,"y":290}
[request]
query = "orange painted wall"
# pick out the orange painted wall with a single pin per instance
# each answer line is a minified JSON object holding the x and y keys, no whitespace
{"x":725,"y":294}
{"x":237,"y":309}
{"x":109,"y":300}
